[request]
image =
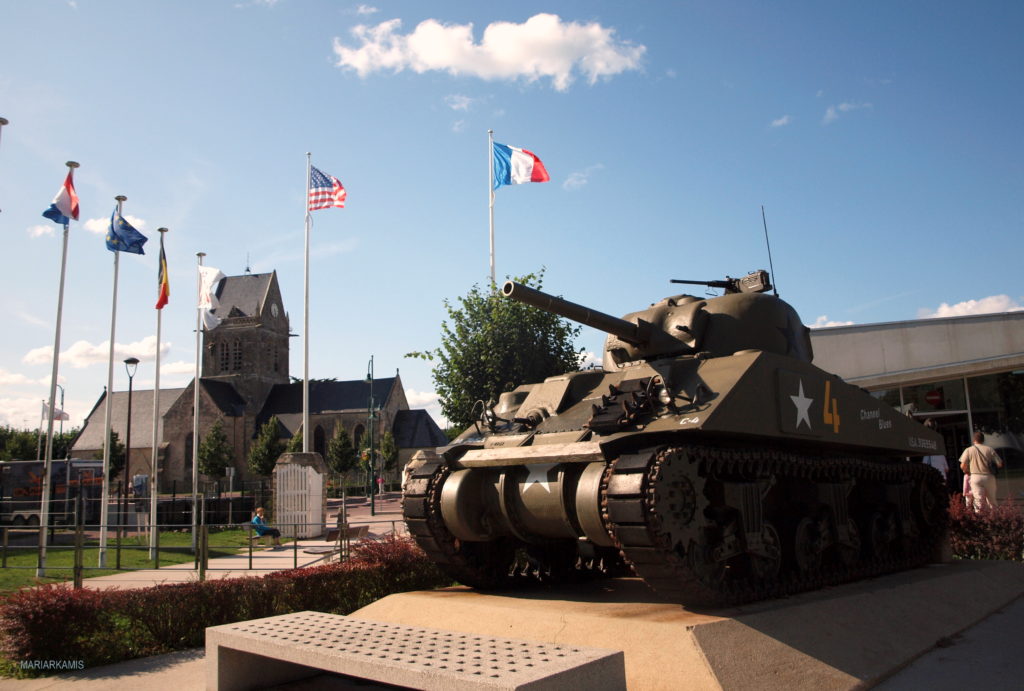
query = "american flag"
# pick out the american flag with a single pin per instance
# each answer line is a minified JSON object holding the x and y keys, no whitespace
{"x":324,"y":191}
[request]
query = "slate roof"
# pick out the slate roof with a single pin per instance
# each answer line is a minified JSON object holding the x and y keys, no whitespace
{"x":224,"y":395}
{"x":242,"y":295}
{"x":142,"y":418}
{"x":415,"y":429}
{"x":324,"y":397}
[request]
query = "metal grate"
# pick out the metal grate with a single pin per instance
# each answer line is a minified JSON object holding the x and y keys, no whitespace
{"x":472,"y":656}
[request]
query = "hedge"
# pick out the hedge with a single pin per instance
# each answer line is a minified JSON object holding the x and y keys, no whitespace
{"x":99,"y":627}
{"x":986,"y":534}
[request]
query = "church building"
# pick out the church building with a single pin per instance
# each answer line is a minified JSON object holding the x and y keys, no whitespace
{"x":244,"y":382}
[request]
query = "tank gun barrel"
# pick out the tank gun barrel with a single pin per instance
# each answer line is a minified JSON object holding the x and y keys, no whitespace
{"x":754,"y":282}
{"x":627,"y":331}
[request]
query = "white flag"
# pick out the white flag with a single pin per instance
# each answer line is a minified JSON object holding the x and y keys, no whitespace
{"x":58,"y":414}
{"x":209,"y":277}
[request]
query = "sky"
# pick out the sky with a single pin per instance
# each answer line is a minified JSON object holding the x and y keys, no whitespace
{"x":882,"y":139}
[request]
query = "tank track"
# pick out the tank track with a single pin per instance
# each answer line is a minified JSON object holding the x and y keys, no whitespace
{"x":502,"y":563}
{"x":673,"y":513}
{"x":711,"y":526}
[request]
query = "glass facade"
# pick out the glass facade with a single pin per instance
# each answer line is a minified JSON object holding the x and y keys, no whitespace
{"x":992,"y":403}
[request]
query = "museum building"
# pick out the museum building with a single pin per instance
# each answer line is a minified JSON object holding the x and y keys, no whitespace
{"x":965,"y":373}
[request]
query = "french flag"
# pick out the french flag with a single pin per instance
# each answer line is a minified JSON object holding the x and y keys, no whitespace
{"x":65,"y":205}
{"x":513,"y":166}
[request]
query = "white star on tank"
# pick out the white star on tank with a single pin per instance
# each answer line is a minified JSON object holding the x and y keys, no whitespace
{"x":803,"y":405}
{"x":538,"y":474}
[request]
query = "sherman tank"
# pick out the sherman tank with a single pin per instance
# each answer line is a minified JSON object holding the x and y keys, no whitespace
{"x":707,"y":455}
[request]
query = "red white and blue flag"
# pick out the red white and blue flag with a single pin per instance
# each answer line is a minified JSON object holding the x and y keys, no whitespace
{"x":513,"y":166}
{"x":65,"y":205}
{"x":325,"y":191}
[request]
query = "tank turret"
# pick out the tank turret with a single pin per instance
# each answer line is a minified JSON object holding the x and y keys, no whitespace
{"x":708,"y":456}
{"x":744,"y":318}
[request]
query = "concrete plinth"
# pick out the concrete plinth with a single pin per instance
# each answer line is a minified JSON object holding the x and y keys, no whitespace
{"x":839,"y":638}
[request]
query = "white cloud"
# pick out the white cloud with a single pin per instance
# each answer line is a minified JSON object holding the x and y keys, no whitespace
{"x":28,"y":317}
{"x":988,"y":305}
{"x":542,"y":46}
{"x":179,"y":367}
{"x":832,"y":112}
{"x":22,"y":412}
{"x":15,"y":379}
{"x":39,"y":231}
{"x":783,"y":121}
{"x":458,"y":126}
{"x":366,"y":10}
{"x":100,"y":225}
{"x":590,"y":359}
{"x":429,"y":401}
{"x":458,"y":102}
{"x":83,"y":354}
{"x":823,"y":321}
{"x":420,"y":398}
{"x":580,"y":178}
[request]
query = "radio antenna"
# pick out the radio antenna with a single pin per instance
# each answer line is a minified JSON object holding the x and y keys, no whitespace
{"x":775,"y":288}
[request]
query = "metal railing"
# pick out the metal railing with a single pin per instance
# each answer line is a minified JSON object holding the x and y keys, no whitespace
{"x":255,"y":561}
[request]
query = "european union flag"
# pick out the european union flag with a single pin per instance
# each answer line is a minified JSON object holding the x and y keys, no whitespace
{"x":122,"y":236}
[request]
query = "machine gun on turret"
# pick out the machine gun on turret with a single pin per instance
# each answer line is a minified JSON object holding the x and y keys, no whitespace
{"x":754,"y":282}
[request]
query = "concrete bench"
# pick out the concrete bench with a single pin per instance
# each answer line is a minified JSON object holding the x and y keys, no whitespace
{"x":290,"y":647}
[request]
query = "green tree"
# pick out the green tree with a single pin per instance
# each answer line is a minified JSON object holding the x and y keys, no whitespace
{"x":295,"y":443}
{"x":266,"y":449}
{"x":215,"y":453}
{"x":20,"y":445}
{"x":341,"y":455}
{"x":62,"y":443}
{"x":388,"y":450}
{"x":491,"y":344}
{"x":116,"y":454}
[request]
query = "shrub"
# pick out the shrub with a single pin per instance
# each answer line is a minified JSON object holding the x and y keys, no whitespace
{"x":986,"y":534}
{"x":55,"y":622}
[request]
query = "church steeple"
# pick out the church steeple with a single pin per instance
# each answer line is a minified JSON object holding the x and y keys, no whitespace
{"x":249,"y":348}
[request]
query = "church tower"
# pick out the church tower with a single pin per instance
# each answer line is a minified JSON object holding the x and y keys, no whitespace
{"x":249,"y":348}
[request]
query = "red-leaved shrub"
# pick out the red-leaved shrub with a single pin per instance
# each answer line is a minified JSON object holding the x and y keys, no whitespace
{"x":56,"y":622}
{"x":986,"y":534}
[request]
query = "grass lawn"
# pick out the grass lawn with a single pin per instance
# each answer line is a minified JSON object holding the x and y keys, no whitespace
{"x":175,"y":548}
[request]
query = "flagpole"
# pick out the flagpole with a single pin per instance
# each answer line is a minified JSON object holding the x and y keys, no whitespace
{"x":153,"y":474}
{"x":44,"y":509}
{"x":490,"y":194}
{"x":195,"y":405}
{"x":103,"y":509}
{"x":305,"y":320}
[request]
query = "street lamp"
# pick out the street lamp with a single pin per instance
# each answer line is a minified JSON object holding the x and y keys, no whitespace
{"x":370,"y":415}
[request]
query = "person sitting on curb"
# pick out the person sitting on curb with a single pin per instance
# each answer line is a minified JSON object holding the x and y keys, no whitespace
{"x":262,"y":529}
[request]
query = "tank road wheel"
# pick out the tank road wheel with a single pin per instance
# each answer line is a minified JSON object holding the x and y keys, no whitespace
{"x":849,"y":551}
{"x":881,"y":534}
{"x":766,"y":566}
{"x":808,"y":544}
